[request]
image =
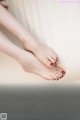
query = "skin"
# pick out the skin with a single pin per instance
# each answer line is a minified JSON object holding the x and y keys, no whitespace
{"x":43,"y":53}
{"x":28,"y":61}
{"x":36,"y":58}
{"x":3,"y":3}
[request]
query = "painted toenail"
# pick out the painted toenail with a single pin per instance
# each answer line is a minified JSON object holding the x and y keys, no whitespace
{"x":63,"y":72}
{"x":52,"y":64}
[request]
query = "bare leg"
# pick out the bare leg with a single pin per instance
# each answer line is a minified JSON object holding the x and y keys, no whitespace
{"x":43,"y":53}
{"x":28,"y":61}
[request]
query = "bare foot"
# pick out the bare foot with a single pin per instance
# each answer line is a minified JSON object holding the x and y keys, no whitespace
{"x":30,"y":64}
{"x":43,"y":53}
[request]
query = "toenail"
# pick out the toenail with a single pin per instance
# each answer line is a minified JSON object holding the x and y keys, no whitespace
{"x":63,"y":72}
{"x":52,"y":64}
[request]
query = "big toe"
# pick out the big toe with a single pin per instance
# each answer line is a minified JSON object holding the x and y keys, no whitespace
{"x":60,"y":70}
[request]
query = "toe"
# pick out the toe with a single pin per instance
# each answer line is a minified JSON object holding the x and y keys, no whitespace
{"x":52,"y":62}
{"x":60,"y":70}
{"x":55,"y":76}
{"x":52,"y":59}
{"x":54,"y":55}
{"x":59,"y":74}
{"x":48,"y":62}
{"x":48,"y":77}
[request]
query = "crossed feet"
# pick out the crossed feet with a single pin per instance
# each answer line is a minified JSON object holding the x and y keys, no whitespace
{"x":39,"y":59}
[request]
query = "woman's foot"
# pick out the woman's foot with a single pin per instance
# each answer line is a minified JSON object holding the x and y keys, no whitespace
{"x":43,"y":53}
{"x":30,"y":64}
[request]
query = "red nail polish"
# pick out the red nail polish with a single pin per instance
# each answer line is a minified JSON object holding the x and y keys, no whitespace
{"x":52,"y":64}
{"x":63,"y":72}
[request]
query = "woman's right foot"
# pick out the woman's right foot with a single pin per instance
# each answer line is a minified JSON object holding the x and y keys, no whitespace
{"x":30,"y":64}
{"x":41,"y":51}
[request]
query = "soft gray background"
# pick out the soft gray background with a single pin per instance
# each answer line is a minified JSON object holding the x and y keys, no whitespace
{"x":40,"y":103}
